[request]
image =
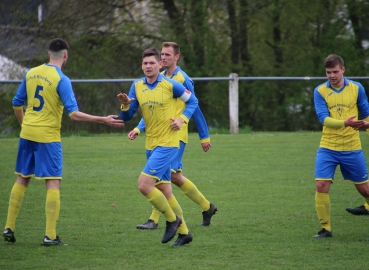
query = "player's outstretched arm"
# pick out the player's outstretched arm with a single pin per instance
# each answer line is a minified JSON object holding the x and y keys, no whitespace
{"x":114,"y":121}
{"x":111,"y":120}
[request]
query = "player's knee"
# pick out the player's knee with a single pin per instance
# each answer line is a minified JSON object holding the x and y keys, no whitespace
{"x":178,"y":179}
{"x":322,"y":186}
{"x":143,"y":188}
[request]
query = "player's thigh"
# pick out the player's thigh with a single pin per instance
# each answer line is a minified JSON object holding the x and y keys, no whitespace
{"x":49,"y":161}
{"x":325,"y":164}
{"x":159,"y":162}
{"x":25,"y":163}
{"x":353,"y":166}
{"x":177,"y":164}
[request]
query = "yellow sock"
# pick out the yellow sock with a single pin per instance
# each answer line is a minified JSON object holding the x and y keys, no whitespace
{"x":155,"y":215}
{"x":15,"y":202}
{"x":178,"y":211}
{"x":191,"y":191}
{"x":52,"y":210}
{"x":366,"y":205}
{"x":158,"y":200}
{"x":323,"y":209}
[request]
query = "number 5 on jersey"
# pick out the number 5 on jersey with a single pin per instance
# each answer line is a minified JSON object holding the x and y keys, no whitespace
{"x":40,"y":98}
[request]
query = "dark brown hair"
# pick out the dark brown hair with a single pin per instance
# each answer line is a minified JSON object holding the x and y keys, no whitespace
{"x":151,"y":52}
{"x":58,"y":44}
{"x":333,"y":60}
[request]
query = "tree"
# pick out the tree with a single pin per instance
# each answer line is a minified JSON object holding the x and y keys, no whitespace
{"x":249,"y":37}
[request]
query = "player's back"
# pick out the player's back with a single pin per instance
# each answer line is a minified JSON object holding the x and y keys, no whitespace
{"x":43,"y":115}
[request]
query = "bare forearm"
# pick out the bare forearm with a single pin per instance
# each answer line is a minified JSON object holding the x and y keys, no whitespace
{"x":84,"y":117}
{"x":111,"y":120}
{"x":19,"y":114}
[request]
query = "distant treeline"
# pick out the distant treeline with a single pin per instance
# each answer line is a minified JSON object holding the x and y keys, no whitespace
{"x":247,"y":37}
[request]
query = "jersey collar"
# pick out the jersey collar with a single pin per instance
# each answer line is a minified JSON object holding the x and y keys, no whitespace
{"x":178,"y":68}
{"x":159,"y":79}
{"x":345,"y":82}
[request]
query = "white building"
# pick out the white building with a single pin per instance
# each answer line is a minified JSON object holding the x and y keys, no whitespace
{"x":10,"y":70}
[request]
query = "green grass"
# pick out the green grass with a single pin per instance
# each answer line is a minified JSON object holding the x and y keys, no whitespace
{"x":262,"y":183}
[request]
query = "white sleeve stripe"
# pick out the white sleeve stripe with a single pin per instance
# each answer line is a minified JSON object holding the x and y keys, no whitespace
{"x":186,"y":96}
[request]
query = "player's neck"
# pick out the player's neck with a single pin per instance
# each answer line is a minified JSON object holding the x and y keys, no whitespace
{"x":339,"y":85}
{"x":152,"y":79}
{"x":56,"y":63}
{"x":170,"y":70}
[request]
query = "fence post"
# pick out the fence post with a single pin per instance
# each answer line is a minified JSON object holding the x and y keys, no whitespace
{"x":233,"y":103}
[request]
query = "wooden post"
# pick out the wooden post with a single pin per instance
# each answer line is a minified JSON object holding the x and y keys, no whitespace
{"x":233,"y":103}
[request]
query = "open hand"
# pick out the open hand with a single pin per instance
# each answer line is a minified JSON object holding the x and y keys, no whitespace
{"x":124,"y":99}
{"x":112,"y":120}
{"x":355,"y":124}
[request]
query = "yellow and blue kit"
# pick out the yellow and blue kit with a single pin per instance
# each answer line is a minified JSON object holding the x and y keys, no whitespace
{"x":180,"y":76}
{"x":158,"y":104}
{"x":340,"y":104}
{"x":47,"y":91}
{"x":340,"y":145}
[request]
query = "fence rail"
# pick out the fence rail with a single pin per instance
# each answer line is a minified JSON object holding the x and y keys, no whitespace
{"x":207,"y":79}
{"x":233,"y":88}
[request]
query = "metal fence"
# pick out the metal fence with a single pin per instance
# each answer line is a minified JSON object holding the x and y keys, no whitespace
{"x":233,"y":88}
{"x":232,"y":77}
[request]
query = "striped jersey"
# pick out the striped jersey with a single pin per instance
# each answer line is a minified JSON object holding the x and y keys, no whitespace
{"x":180,"y":76}
{"x":340,"y":104}
{"x":157,"y":102}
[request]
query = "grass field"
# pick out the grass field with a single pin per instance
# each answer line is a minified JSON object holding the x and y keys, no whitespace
{"x":262,"y":183}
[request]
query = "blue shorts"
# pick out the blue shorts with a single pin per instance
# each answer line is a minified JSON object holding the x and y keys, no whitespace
{"x":42,"y":160}
{"x":177,"y":162}
{"x":158,"y":163}
{"x":352,"y":164}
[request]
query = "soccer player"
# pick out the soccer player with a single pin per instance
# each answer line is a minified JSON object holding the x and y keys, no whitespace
{"x":157,"y":96}
{"x":338,"y":102}
{"x":46,"y":90}
{"x":170,"y":55}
